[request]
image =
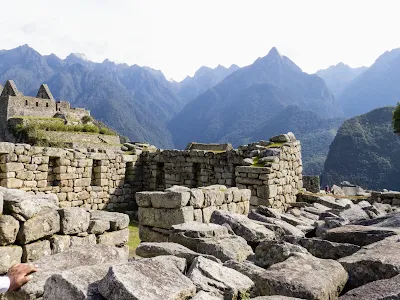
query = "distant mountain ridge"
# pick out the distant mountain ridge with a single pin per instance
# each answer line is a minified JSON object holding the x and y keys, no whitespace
{"x":249,"y":97}
{"x":378,"y":86}
{"x":339,"y":76}
{"x":365,"y":152}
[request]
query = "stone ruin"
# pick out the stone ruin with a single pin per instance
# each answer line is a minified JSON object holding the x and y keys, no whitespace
{"x":108,"y":179}
{"x":214,"y":225}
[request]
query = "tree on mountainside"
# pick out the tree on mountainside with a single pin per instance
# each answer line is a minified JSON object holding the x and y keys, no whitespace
{"x":396,"y":119}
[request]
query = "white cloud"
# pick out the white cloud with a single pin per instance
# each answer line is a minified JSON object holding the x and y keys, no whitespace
{"x":179,"y":36}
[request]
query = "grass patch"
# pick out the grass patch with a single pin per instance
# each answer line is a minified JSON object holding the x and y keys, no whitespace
{"x":275,"y":145}
{"x":256,"y":163}
{"x":134,"y":239}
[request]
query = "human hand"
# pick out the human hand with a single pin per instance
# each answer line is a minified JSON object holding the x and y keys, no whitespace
{"x":19,"y":274}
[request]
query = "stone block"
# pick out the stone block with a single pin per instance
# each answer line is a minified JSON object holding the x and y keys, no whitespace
{"x":198,"y":215}
{"x":115,"y":238}
{"x":207,"y":212}
{"x":12,"y":167}
{"x":98,"y":226}
{"x":82,"y":182}
{"x":117,"y":220}
{"x":77,"y":241}
{"x":59,"y":243}
{"x":36,"y":250}
{"x":213,"y":197}
{"x":165,"y":218}
{"x":267,"y":191}
{"x":46,"y":223}
{"x":74,"y":220}
{"x":9,"y":256}
{"x":196,"y":198}
{"x":12,"y":183}
{"x":9,"y":227}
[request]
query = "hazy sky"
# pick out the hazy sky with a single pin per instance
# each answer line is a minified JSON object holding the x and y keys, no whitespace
{"x":179,"y":36}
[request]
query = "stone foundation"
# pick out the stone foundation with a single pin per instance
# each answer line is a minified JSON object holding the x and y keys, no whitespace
{"x":33,"y":226}
{"x":159,"y":211}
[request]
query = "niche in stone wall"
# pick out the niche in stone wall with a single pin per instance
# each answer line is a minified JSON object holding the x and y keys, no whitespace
{"x":96,"y":171}
{"x":160,"y":176}
{"x":197,"y":174}
{"x":51,"y":175}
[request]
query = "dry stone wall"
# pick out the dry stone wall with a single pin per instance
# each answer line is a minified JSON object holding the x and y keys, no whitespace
{"x":108,"y":179}
{"x":391,"y":197}
{"x":159,"y":211}
{"x":277,"y":177}
{"x":92,"y":180}
{"x":33,"y":226}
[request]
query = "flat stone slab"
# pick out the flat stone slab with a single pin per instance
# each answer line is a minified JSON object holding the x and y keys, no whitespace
{"x":301,"y":275}
{"x":148,"y":250}
{"x":214,"y":278}
{"x":248,"y":229}
{"x":358,"y":234}
{"x":205,"y":296}
{"x":380,"y":289}
{"x":323,"y":248}
{"x":201,"y":230}
{"x":380,"y":260}
{"x":147,"y":279}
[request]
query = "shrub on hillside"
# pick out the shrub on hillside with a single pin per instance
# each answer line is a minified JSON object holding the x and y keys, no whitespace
{"x":396,"y":119}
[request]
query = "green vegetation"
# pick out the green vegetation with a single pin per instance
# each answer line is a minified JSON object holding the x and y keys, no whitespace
{"x":365,"y":152}
{"x":86,"y":119}
{"x":396,"y":119}
{"x":275,"y":145}
{"x":134,"y":239}
{"x":256,"y":163}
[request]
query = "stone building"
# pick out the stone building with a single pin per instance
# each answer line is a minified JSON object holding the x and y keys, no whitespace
{"x":14,"y":104}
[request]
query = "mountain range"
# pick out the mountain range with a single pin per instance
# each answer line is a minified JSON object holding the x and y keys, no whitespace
{"x":236,"y":105}
{"x":339,"y":76}
{"x":365,"y":152}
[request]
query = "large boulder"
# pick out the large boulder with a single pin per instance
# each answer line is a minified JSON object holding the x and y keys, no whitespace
{"x":44,"y":224}
{"x":323,"y":248}
{"x":214,"y":278}
{"x":71,"y":258}
{"x":227,"y":248}
{"x":147,"y":279}
{"x":271,"y":252}
{"x":74,"y":220}
{"x":380,"y":260}
{"x":301,"y":275}
{"x":358,"y":234}
{"x":148,"y":250}
{"x":24,"y":206}
{"x":76,"y":284}
{"x":376,"y":290}
{"x":248,"y":229}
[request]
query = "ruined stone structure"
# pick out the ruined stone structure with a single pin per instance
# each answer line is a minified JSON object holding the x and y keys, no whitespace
{"x":33,"y":226}
{"x":159,"y":211}
{"x":109,"y":179}
{"x":14,"y":104}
